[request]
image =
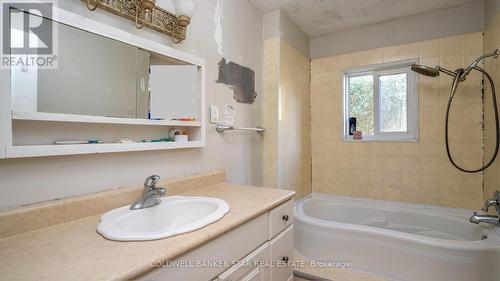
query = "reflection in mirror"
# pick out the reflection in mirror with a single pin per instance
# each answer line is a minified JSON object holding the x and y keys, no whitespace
{"x":100,"y":76}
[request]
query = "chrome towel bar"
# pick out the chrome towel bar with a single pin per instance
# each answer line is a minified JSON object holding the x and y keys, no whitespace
{"x":222,"y":128}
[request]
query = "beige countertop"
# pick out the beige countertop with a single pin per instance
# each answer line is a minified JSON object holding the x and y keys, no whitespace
{"x":75,"y":251}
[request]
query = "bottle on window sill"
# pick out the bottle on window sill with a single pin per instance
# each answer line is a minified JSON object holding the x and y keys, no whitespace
{"x":352,"y":125}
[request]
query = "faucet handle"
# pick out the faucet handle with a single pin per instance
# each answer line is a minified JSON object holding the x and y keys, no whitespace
{"x":162,"y":191}
{"x":496,"y":195}
{"x":493,"y":202}
{"x":490,"y":203}
{"x":151,"y":181}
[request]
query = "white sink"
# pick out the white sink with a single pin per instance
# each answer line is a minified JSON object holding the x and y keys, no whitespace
{"x":174,"y":215}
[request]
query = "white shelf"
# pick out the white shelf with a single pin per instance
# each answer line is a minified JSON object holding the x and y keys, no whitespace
{"x":21,"y":151}
{"x":56,"y":117}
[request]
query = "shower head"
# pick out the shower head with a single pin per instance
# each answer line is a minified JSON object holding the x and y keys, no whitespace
{"x":474,"y":63}
{"x":425,"y":70}
{"x":462,"y":73}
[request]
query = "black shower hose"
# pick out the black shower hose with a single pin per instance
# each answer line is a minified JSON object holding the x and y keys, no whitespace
{"x":497,"y":125}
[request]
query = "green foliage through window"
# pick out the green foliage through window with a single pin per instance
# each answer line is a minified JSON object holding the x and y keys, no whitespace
{"x":393,"y":107}
{"x":361,"y":103}
{"x":383,"y":102}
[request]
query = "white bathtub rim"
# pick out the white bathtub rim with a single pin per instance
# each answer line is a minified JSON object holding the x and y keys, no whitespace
{"x":491,"y":243}
{"x":434,"y":242}
{"x":420,"y":208}
{"x":458,"y":214}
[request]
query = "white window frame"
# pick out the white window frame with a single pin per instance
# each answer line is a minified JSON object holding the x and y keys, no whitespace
{"x":411,"y":135}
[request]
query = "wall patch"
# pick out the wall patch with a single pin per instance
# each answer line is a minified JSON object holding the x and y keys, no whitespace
{"x":239,"y":78}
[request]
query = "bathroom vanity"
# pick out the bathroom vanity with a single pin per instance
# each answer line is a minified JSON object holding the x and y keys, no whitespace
{"x":58,"y":239}
{"x":257,"y":250}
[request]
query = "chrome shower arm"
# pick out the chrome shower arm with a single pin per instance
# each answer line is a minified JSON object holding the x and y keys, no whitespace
{"x":446,"y":71}
{"x":474,"y":63}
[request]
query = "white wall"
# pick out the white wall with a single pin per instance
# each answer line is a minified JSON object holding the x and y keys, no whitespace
{"x":229,"y":28}
{"x":491,"y":7}
{"x":279,"y":24}
{"x":463,"y":19}
{"x":291,"y":33}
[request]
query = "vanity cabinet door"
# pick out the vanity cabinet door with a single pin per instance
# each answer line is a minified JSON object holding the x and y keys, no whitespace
{"x":280,"y":218}
{"x":249,"y":268}
{"x":281,"y":251}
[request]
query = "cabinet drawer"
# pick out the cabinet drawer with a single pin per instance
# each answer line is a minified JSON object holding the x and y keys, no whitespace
{"x":258,"y":274}
{"x":247,"y":268}
{"x":280,"y":218}
{"x":280,"y":250}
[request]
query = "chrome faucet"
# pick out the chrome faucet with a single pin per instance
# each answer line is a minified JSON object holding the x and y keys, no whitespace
{"x":491,"y":219}
{"x":150,"y":195}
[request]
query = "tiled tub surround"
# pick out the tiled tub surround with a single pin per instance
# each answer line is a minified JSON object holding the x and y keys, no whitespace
{"x":294,"y":119}
{"x":71,"y":249}
{"x":491,"y":42}
{"x":286,"y":116}
{"x":415,"y":172}
{"x":270,"y":112}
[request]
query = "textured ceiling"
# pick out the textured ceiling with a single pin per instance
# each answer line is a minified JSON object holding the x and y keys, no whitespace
{"x":318,"y":17}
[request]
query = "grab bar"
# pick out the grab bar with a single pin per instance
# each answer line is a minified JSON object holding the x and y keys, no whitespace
{"x":222,"y":128}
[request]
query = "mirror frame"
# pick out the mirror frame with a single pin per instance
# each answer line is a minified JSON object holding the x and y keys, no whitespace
{"x":8,"y":150}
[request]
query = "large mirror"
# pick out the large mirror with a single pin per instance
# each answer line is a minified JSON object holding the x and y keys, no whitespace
{"x":100,"y":76}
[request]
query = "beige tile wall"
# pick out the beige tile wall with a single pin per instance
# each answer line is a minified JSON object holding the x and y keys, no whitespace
{"x":294,"y":119}
{"x":286,"y":117}
{"x":491,"y":42}
{"x":270,"y":112}
{"x":409,"y":172}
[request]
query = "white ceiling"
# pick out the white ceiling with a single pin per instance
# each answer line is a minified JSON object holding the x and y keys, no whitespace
{"x":318,"y":17}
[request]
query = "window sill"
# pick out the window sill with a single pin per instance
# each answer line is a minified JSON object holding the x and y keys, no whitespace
{"x":380,"y":140}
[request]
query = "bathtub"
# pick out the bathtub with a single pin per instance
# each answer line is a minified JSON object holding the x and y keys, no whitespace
{"x":397,"y":240}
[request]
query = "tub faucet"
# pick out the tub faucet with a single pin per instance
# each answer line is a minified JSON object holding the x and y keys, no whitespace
{"x":485,"y":218}
{"x":150,"y":194}
{"x":491,"y":219}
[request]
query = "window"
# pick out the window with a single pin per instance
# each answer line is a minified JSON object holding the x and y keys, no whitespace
{"x":383,"y":99}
